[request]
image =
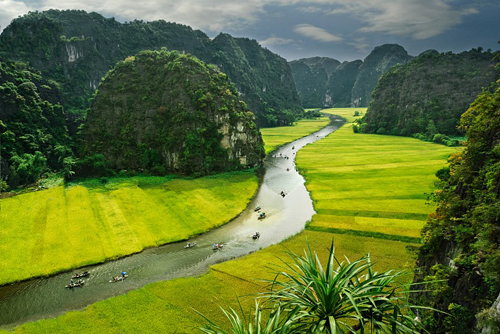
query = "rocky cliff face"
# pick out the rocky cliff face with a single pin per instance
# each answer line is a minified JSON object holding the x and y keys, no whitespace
{"x":349,"y":84}
{"x":310,"y":80}
{"x":263,"y":78}
{"x":429,"y":94}
{"x":340,"y":83}
{"x":76,"y":49}
{"x":379,"y":61}
{"x":164,"y":111}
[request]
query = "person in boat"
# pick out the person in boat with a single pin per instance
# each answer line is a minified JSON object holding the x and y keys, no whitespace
{"x":123,"y":274}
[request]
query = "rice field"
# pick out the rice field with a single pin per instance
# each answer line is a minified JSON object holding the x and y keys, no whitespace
{"x":371,"y":183}
{"x":275,"y":137}
{"x":67,"y":227}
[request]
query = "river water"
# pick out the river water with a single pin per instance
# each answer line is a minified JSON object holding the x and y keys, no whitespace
{"x":285,"y":216}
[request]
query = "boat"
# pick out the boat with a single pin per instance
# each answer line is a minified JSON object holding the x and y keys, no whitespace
{"x":75,"y":285}
{"x":257,"y":209}
{"x":256,"y":236}
{"x":118,"y":278}
{"x":190,"y":244}
{"x":217,"y":246}
{"x":262,"y":216}
{"x":84,"y":274}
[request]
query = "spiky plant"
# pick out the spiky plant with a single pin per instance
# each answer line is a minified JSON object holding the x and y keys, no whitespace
{"x":341,"y":298}
{"x":344,"y":297}
{"x":276,"y":323}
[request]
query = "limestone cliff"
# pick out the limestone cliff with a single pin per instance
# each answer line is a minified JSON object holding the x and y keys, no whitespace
{"x":164,"y":111}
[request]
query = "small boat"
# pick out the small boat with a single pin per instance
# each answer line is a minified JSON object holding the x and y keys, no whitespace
{"x":190,"y":244}
{"x":257,"y":209}
{"x":262,"y":216}
{"x":84,"y":274}
{"x":256,"y":236}
{"x":75,"y":285}
{"x":118,"y":278}
{"x":217,"y":246}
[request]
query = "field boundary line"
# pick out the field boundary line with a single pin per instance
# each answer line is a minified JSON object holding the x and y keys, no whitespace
{"x":369,"y":234}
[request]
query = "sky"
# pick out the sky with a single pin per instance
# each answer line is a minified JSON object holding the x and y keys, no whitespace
{"x":339,"y":29}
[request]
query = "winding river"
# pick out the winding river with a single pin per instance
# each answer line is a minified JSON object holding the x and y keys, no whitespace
{"x":46,"y":297}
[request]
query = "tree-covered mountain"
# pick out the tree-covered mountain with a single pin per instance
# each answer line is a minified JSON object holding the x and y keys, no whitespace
{"x":76,"y":49}
{"x":428,"y":95}
{"x":325,"y":82}
{"x":460,"y":257}
{"x":165,"y":111}
{"x":33,"y":126}
{"x":310,"y":80}
{"x":379,"y":61}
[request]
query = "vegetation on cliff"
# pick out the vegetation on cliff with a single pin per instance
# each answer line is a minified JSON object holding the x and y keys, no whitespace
{"x":426,"y":97}
{"x":77,"y":49}
{"x":462,"y":237}
{"x":164,"y":111}
{"x":33,"y":125}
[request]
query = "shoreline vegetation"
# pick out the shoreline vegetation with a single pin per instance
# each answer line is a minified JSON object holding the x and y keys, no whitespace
{"x":167,"y":306}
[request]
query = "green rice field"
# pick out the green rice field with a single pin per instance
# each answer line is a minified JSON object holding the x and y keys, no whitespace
{"x":275,"y":137}
{"x":67,"y":227}
{"x":371,"y":183}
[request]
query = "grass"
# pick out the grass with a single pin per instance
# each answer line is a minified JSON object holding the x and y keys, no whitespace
{"x":89,"y":222}
{"x":275,"y":137}
{"x":371,"y":183}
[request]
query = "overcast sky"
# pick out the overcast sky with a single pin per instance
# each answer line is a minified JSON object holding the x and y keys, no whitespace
{"x":340,"y":29}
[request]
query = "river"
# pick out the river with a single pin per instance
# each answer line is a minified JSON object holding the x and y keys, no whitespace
{"x":285,"y":216}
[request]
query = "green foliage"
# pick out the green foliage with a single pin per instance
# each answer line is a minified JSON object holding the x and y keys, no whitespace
{"x":163,"y":111}
{"x":76,"y":49}
{"x":428,"y":95}
{"x":343,"y":297}
{"x":34,"y":131}
{"x":465,"y":225}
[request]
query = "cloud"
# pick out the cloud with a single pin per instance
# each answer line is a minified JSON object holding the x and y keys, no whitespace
{"x":11,"y":9}
{"x":316,"y":33}
{"x":360,"y":44}
{"x":419,"y":19}
{"x":276,"y":41}
{"x":213,"y":15}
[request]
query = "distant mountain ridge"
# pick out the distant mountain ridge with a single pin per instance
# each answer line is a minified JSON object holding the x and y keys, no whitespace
{"x":325,"y":82}
{"x":76,"y":49}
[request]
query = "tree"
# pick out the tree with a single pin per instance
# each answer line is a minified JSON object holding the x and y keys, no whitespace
{"x":343,"y":297}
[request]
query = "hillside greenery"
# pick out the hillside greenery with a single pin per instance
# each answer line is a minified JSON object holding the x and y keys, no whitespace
{"x":462,"y":236}
{"x":76,"y":49}
{"x":164,"y":111}
{"x":33,"y":124}
{"x":426,"y":97}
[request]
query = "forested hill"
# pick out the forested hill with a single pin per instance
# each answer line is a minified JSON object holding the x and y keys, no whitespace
{"x":428,"y":95}
{"x":460,"y":256}
{"x":76,"y":49}
{"x":164,"y":111}
{"x":325,"y":82}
